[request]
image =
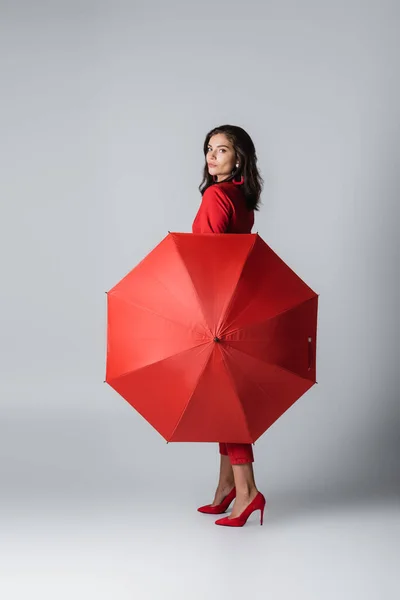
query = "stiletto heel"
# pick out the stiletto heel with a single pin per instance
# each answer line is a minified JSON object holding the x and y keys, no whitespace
{"x":258,"y":503}
{"x":219,"y":508}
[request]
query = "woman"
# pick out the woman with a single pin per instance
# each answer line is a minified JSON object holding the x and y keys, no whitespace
{"x":231,"y":189}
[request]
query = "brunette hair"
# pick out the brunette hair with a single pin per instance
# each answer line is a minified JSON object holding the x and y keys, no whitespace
{"x":247,"y":158}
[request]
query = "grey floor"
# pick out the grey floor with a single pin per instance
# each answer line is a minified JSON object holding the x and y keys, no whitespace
{"x":160,"y":547}
{"x":93,"y":504}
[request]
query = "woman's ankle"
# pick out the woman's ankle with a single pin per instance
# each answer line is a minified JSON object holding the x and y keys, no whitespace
{"x":226,"y":484}
{"x":246,"y":491}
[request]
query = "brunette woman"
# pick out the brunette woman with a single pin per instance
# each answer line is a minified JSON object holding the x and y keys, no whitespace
{"x":231,"y":190}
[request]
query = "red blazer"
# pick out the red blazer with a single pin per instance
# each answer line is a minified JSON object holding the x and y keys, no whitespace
{"x":223,"y":210}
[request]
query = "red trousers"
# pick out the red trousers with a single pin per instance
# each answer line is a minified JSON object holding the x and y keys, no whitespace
{"x":238,"y":453}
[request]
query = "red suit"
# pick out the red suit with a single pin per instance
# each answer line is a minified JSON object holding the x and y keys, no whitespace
{"x":223,"y":210}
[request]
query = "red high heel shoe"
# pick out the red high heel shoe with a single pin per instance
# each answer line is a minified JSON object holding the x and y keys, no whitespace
{"x":258,"y":503}
{"x":219,"y":508}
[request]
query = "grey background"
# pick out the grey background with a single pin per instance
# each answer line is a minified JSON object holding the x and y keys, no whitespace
{"x":104,"y":109}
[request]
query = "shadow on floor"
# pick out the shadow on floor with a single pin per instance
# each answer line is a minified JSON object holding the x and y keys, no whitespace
{"x":293,"y":505}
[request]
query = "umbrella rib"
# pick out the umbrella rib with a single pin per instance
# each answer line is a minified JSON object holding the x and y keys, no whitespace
{"x":236,"y":287}
{"x":258,"y":323}
{"x":194,"y":389}
{"x":236,"y":391}
{"x":178,"y":299}
{"x":149,"y":310}
{"x":256,"y":383}
{"x":268,"y":363}
{"x":207,"y":342}
{"x":194,"y":288}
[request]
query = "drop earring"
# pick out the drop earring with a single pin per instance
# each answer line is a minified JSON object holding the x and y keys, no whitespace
{"x":241,"y":181}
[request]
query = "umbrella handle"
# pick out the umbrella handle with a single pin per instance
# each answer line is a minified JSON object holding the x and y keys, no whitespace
{"x":310,"y":353}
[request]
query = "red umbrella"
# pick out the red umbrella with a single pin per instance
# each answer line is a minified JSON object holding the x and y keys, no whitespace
{"x":211,"y":337}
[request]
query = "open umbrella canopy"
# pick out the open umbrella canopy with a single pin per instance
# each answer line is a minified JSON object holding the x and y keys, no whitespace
{"x":211,"y":337}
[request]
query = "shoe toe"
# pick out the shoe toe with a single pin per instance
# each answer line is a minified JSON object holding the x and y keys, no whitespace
{"x":211,"y":510}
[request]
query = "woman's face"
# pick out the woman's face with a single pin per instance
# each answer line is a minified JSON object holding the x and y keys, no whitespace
{"x":220,"y":157}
